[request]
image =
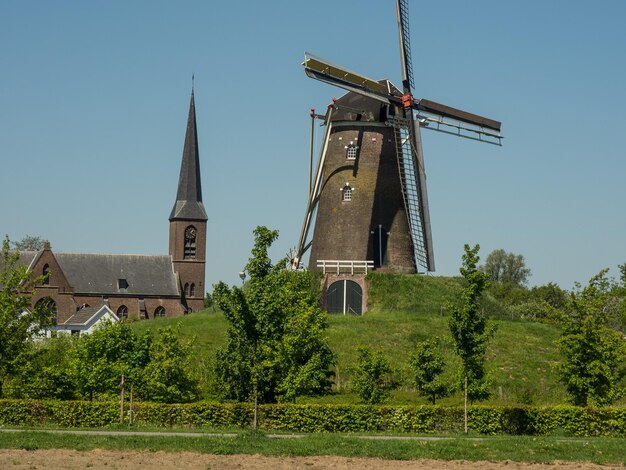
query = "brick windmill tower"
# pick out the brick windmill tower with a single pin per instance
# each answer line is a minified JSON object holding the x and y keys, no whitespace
{"x":368,"y":196}
{"x":188,"y":221}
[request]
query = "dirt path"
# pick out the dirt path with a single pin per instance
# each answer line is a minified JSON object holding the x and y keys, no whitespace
{"x":14,"y":459}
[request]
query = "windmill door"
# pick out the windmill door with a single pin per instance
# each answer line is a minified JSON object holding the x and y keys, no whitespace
{"x":380,"y":238}
{"x":344,"y":297}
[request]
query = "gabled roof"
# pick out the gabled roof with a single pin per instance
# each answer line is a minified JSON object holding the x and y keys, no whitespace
{"x":188,"y":205}
{"x":91,"y":273}
{"x":25,"y":258}
{"x":86,"y":317}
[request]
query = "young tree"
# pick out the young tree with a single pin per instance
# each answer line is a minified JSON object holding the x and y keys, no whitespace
{"x":98,"y":361}
{"x":275,"y":349}
{"x":167,"y":378}
{"x":19,"y":322}
{"x":506,"y":268}
{"x":427,"y":364}
{"x":469,"y":327}
{"x":372,"y":376}
{"x":593,"y":352}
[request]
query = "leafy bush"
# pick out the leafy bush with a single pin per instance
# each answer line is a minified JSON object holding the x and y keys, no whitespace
{"x":372,"y":376}
{"x":428,"y":364}
{"x":491,"y":420}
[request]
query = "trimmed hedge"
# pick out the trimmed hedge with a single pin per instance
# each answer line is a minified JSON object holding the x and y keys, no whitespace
{"x":423,"y":419}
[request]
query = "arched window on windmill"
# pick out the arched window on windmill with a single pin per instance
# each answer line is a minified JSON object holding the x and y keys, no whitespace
{"x":351,"y":151}
{"x":346,"y":193}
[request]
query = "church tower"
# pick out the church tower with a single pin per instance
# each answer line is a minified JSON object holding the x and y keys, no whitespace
{"x":188,"y":221}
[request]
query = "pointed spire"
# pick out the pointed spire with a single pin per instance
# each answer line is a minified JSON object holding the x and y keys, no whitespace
{"x":188,"y":204}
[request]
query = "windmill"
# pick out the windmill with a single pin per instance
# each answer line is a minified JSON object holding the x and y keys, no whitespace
{"x":369,"y":193}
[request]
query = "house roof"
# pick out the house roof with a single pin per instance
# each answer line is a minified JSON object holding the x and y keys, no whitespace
{"x":82,"y":316}
{"x":92,"y":273}
{"x":86,"y":317}
{"x":188,"y":205}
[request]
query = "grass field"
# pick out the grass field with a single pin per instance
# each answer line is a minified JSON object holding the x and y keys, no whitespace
{"x":501,"y":448}
{"x":402,"y":311}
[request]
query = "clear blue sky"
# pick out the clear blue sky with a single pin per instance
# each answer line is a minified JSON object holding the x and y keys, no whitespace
{"x":94,"y":99}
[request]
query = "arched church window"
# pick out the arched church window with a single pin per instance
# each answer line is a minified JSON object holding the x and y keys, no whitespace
{"x":190,"y":242}
{"x":46,"y":273}
{"x":159,"y":312}
{"x":47,"y":309}
{"x":122,"y":312}
{"x":192,"y":290}
{"x":186,"y":289}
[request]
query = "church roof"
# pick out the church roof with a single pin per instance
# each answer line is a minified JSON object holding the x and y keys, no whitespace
{"x":188,"y":205}
{"x":25,"y":258}
{"x":102,"y":274}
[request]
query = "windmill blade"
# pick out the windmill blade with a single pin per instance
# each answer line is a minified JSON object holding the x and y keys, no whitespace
{"x":312,"y":200}
{"x":445,"y":111}
{"x":413,"y":185}
{"x":410,"y":157}
{"x":320,"y":69}
{"x":420,"y":177}
{"x":402,"y":12}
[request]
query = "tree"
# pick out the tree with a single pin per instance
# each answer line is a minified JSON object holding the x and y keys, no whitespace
{"x":208,"y":301}
{"x":469,"y":328}
{"x":622,"y":273}
{"x":275,"y":349}
{"x":372,"y":376}
{"x":593,"y":353}
{"x":29,"y":243}
{"x":167,"y":378}
{"x":98,"y":361}
{"x":19,"y":322}
{"x":550,"y":293}
{"x":506,"y":268}
{"x":427,"y":364}
{"x":41,"y":371}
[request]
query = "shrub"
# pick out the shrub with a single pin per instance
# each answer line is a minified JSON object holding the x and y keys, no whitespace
{"x":483,"y":419}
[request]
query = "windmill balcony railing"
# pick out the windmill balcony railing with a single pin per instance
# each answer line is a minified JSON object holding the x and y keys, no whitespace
{"x":345,"y":266}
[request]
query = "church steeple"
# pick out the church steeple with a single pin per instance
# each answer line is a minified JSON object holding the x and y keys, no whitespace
{"x":188,"y":222}
{"x":188,"y":205}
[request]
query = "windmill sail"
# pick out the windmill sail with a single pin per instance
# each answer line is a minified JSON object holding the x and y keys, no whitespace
{"x":410,"y":158}
{"x":415,"y":202}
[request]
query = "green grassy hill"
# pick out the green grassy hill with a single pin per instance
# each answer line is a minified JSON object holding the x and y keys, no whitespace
{"x":402,"y":311}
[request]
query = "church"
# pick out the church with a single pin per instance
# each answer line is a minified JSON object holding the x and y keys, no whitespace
{"x":140,"y":286}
